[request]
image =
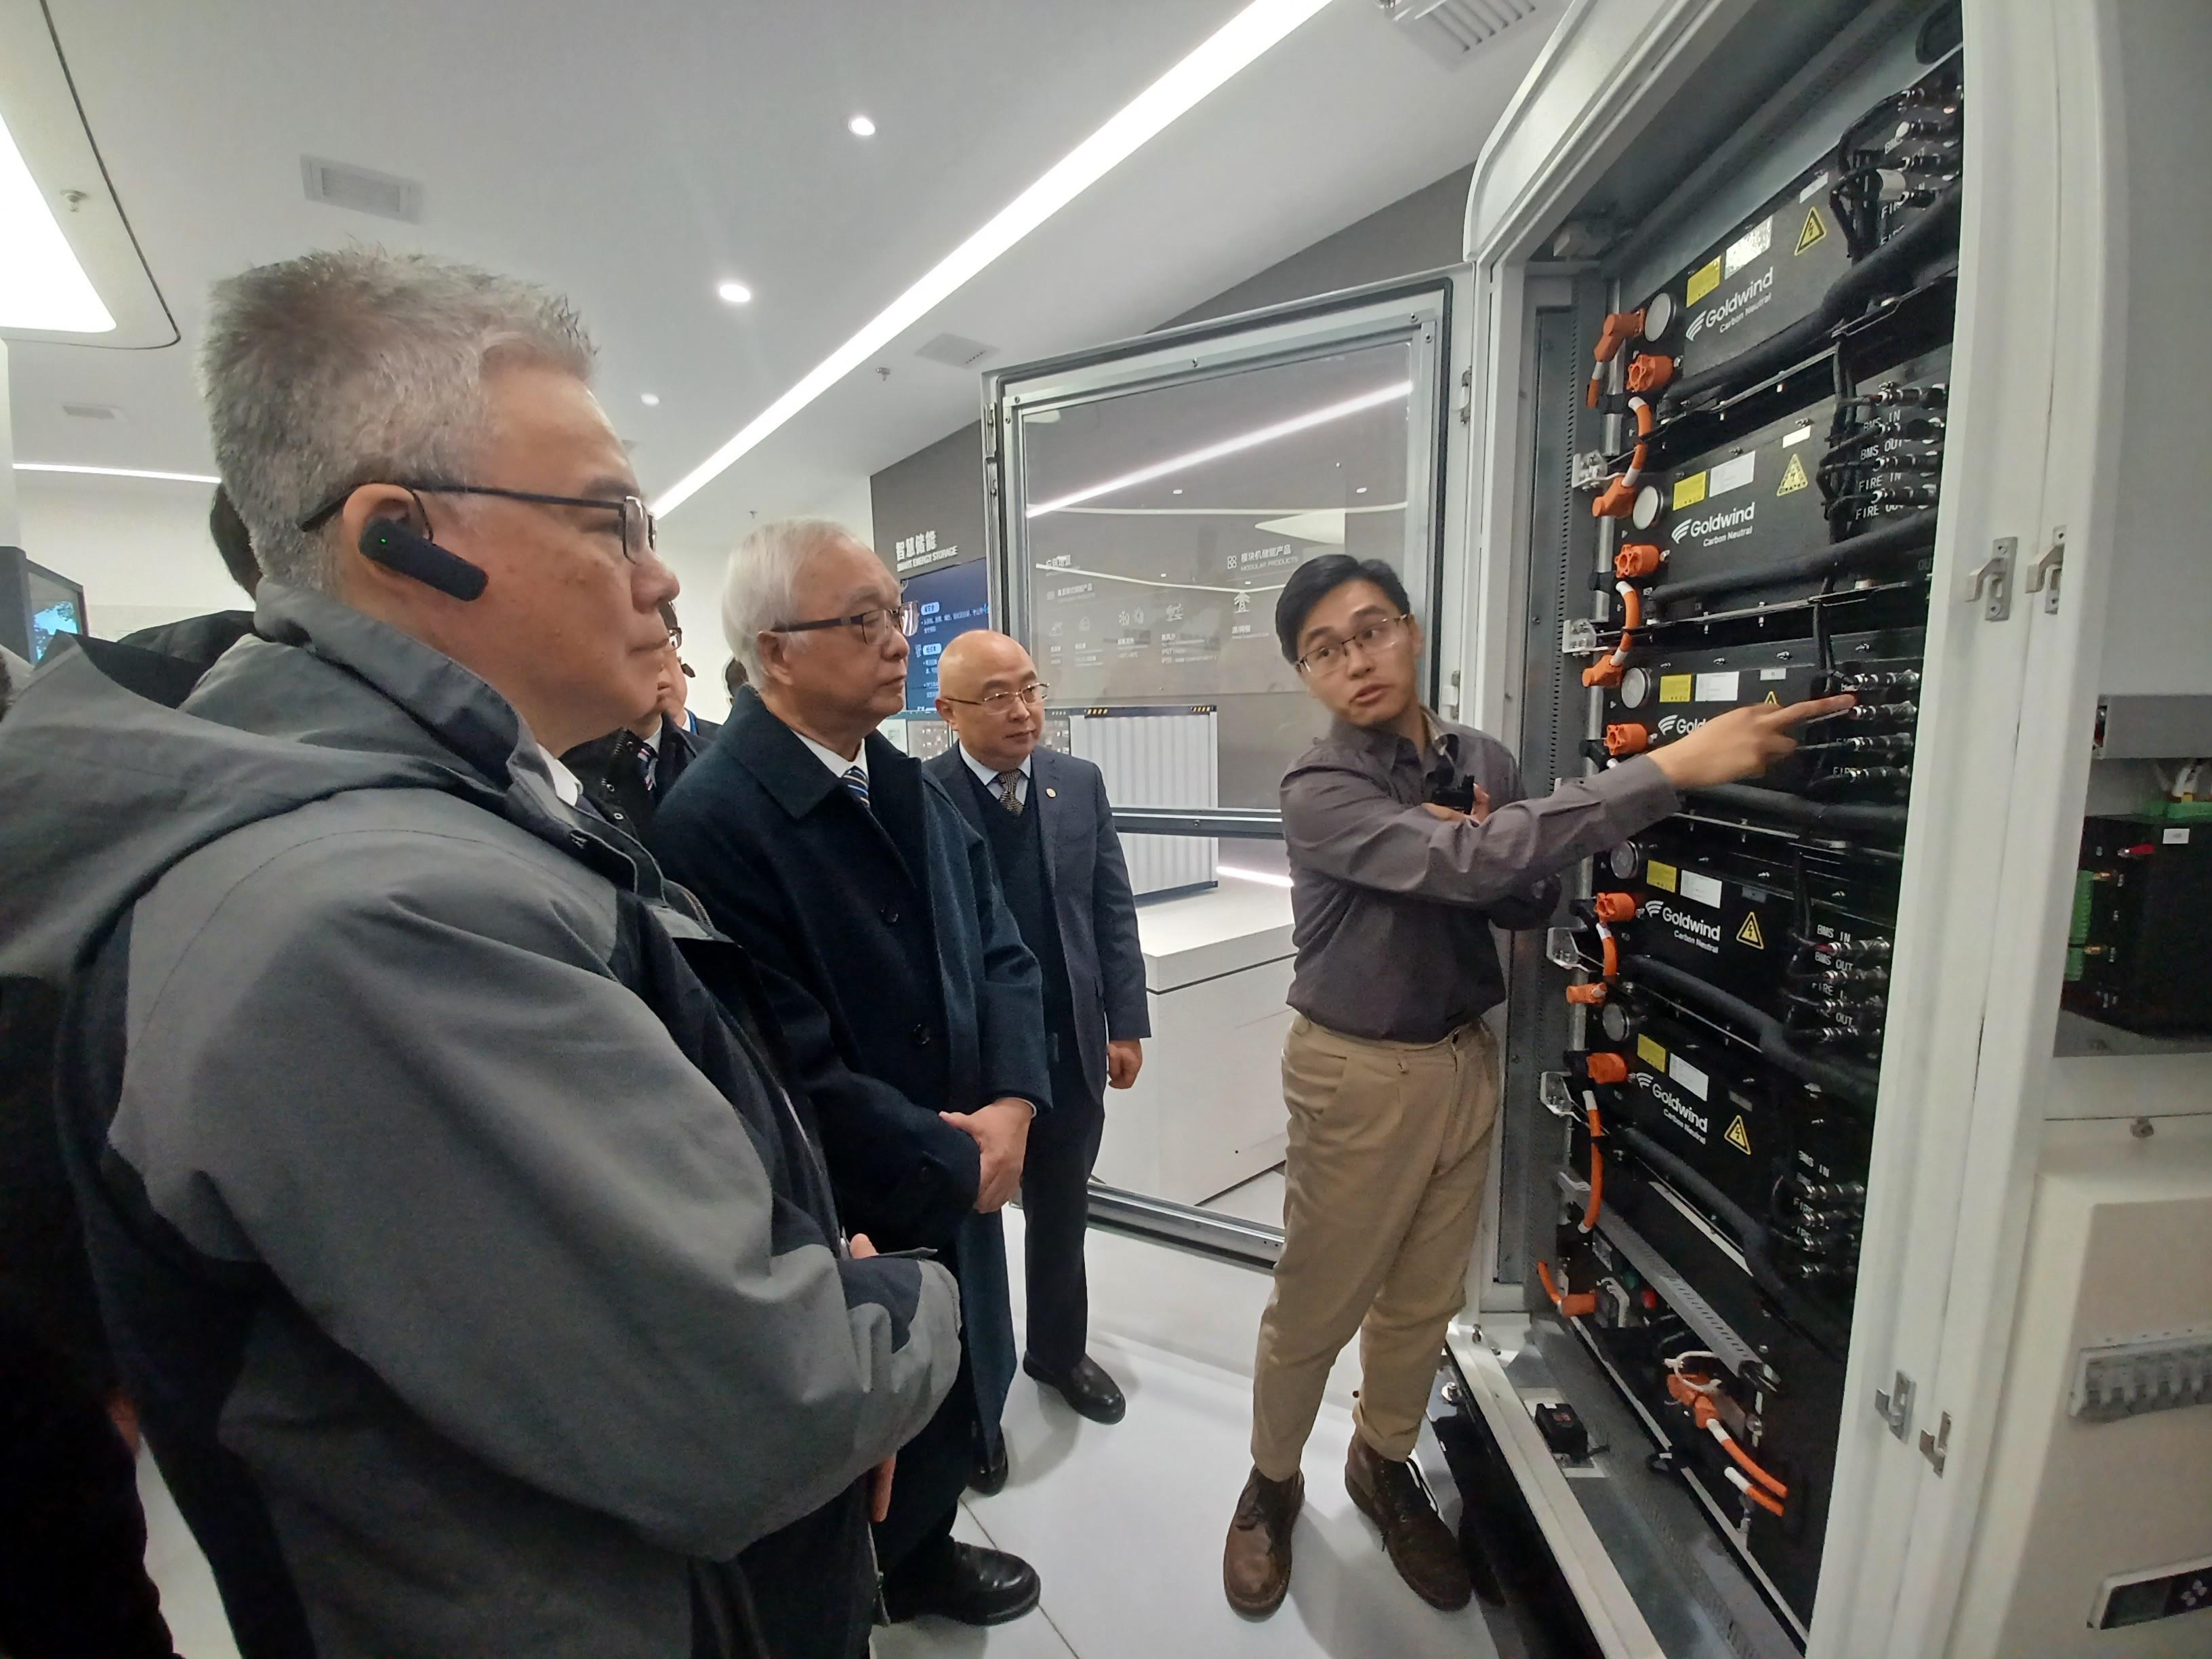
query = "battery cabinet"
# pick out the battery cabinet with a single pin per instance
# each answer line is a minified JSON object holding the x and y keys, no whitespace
{"x":1861,"y":377}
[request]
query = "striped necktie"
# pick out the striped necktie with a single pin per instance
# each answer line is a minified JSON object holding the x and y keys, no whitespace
{"x":857,"y":781}
{"x":1010,"y":791}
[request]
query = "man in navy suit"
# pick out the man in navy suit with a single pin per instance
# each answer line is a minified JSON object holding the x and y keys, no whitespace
{"x":911,"y":1009}
{"x":1051,"y":832}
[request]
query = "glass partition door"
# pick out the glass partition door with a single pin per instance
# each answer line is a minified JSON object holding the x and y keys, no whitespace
{"x":1150,"y":500}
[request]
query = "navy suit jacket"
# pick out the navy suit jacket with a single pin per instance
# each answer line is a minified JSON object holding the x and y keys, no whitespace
{"x":897,"y":973}
{"x":1089,"y":880}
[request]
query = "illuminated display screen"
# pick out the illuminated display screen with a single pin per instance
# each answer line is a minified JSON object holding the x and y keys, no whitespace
{"x":953,"y":599}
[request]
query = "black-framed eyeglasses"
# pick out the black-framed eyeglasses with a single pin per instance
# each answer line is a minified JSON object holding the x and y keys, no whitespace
{"x":1002,"y":702}
{"x":1372,"y":640}
{"x":638,"y":532}
{"x":871,"y":622}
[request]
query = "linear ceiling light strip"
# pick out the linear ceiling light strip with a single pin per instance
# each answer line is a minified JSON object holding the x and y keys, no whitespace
{"x":1266,"y":435}
{"x":117,"y":472}
{"x":1237,"y":44}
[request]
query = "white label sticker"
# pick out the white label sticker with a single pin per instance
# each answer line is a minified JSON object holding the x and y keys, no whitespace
{"x":1747,"y":247}
{"x":1703,"y":889}
{"x":1732,"y":475}
{"x":2177,"y":838}
{"x":1798,"y":436}
{"x":1774,"y":673}
{"x":1688,"y":1075}
{"x":1817,"y":184}
{"x":1718,"y":687}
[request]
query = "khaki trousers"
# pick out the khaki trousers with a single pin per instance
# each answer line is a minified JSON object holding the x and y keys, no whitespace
{"x":1389,"y":1146}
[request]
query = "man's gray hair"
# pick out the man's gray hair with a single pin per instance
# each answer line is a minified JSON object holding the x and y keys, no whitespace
{"x":360,"y":367}
{"x":760,"y":589}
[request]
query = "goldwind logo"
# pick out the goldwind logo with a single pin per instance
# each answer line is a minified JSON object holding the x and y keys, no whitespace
{"x":1684,"y":1116}
{"x":1686,"y":924}
{"x":1675,"y":725}
{"x":1728,"y":312}
{"x":1712,"y":524}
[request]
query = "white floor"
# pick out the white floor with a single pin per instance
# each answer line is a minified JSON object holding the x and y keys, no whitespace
{"x":1124,"y":1523}
{"x":1260,"y":1199}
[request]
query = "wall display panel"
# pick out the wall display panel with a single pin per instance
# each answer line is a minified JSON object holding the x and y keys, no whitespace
{"x":953,"y":600}
{"x":36,"y":605}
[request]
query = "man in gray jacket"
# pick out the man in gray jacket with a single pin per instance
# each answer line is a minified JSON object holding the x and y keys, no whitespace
{"x":476,"y":1274}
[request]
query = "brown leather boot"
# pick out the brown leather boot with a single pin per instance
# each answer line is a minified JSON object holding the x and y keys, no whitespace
{"x":1256,"y":1567}
{"x":1421,"y":1547}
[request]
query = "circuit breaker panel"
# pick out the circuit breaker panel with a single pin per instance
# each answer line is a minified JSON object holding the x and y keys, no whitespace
{"x":1765,"y":500}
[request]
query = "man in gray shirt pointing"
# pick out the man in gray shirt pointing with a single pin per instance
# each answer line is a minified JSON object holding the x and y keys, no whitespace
{"x":1389,"y":1073}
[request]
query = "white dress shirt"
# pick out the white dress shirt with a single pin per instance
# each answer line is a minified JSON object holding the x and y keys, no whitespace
{"x":837,"y":763}
{"x":565,"y":784}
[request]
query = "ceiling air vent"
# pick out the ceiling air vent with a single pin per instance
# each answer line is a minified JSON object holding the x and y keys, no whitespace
{"x":92,"y":411}
{"x":1452,"y":31}
{"x":361,"y":190}
{"x":956,"y":351}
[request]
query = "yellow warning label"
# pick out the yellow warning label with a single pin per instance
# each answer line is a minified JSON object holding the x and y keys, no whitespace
{"x":1650,"y":1053}
{"x":1794,"y":479}
{"x":1774,"y":699}
{"x":1677,"y":688}
{"x":1703,"y":281}
{"x":1738,"y":1136}
{"x":1814,"y":233}
{"x":1689,"y":491}
{"x":1664,"y":877}
{"x":1749,"y":933}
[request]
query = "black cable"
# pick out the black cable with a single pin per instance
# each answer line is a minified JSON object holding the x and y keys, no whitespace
{"x":1841,"y":817}
{"x":1853,"y":1083}
{"x":1752,"y":1237}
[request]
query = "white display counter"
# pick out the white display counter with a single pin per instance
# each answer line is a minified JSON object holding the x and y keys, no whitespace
{"x":1207,"y":1111}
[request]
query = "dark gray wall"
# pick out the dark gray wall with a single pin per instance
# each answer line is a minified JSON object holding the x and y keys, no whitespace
{"x":1415,"y":233}
{"x":940,"y":488}
{"x":937,"y":491}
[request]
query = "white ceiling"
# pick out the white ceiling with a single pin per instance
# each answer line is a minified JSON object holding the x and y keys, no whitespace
{"x":636,"y":154}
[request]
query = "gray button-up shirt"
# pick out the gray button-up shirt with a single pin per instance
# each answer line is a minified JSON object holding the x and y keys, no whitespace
{"x":1394,"y":905}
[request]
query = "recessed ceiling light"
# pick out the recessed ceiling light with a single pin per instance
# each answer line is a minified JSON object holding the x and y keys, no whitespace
{"x":650,"y":399}
{"x":1362,"y":491}
{"x":42,"y":286}
{"x":1178,"y":489}
{"x":736,"y":294}
{"x":118,"y":472}
{"x":1222,"y":54}
{"x":860,"y":127}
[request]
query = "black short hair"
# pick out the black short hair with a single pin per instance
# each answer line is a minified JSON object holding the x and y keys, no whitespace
{"x":1317,"y":578}
{"x":233,"y":541}
{"x":733,"y":676}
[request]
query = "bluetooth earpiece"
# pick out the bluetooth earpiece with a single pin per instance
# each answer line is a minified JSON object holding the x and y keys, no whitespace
{"x":391,"y":543}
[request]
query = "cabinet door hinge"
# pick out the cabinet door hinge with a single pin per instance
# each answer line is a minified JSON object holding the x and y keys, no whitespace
{"x":1993,"y":578}
{"x":1893,"y":1405}
{"x":1936,"y":1446}
{"x":2043,"y":575}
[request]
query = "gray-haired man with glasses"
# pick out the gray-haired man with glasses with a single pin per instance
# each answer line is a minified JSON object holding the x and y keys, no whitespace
{"x":898,"y":977}
{"x":1051,"y":831}
{"x":461,"y":1232}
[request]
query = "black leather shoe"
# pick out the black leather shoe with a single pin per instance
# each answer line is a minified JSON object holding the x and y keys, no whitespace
{"x":975,"y":1586}
{"x":989,"y":1474}
{"x":1087,"y":1388}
